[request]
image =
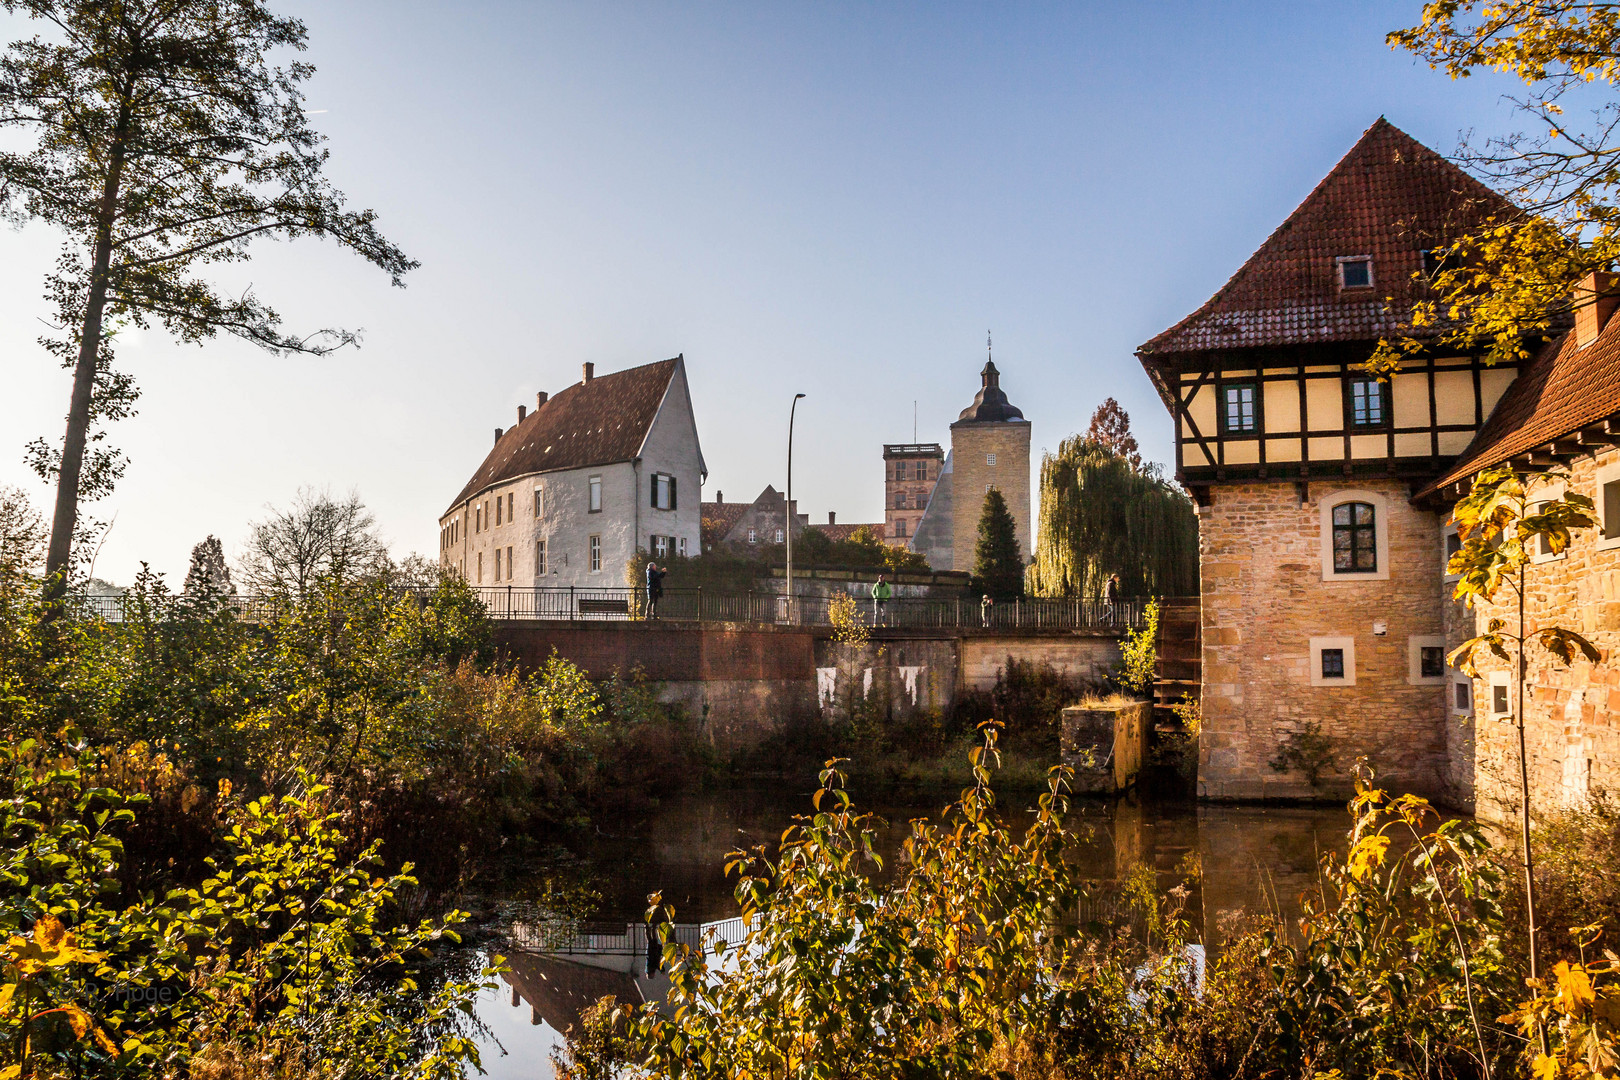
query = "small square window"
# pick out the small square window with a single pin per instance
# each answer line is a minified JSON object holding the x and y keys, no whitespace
{"x":1434,"y":261}
{"x":1462,"y":696}
{"x":1432,"y":662}
{"x":1238,"y":408}
{"x":1369,"y":406}
{"x":1355,"y":272}
{"x":989,"y":459}
{"x":1499,"y":699}
{"x":1332,"y":663}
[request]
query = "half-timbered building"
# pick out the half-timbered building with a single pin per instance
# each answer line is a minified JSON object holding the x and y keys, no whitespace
{"x":1323,"y":607}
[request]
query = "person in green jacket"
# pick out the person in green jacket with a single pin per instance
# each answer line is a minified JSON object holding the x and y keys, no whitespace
{"x":880,"y":601}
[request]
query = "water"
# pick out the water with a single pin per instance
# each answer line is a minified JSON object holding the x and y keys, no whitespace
{"x":1256,"y":858}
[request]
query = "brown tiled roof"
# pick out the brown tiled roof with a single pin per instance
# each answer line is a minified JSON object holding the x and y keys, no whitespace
{"x":590,"y":423}
{"x":1564,"y":389}
{"x":720,"y":518}
{"x":1391,"y":198}
{"x":842,"y":531}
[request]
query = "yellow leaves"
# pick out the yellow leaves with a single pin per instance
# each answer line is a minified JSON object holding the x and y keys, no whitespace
{"x":49,"y":945}
{"x":1544,"y":1068}
{"x":1368,"y":855}
{"x":1572,"y":988}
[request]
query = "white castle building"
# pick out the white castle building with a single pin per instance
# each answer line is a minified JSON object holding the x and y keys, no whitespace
{"x":605,"y":468}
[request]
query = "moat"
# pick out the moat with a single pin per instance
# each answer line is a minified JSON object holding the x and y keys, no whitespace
{"x":1233,"y":859}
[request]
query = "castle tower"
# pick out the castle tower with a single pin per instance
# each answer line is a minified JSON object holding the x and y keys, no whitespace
{"x":990,"y":449}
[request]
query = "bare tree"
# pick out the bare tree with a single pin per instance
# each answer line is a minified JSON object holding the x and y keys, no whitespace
{"x":318,"y":536}
{"x":22,"y":531}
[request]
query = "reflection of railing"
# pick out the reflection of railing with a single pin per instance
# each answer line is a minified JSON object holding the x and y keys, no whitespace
{"x":622,"y":603}
{"x":563,"y":938}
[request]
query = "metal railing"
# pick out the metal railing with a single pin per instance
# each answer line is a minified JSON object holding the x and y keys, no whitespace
{"x":707,"y":605}
{"x":565,"y":938}
{"x":573,"y":603}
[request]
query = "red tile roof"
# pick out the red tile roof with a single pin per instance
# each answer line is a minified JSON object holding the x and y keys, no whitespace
{"x":1391,"y":198}
{"x":1564,"y":389}
{"x":590,"y":423}
{"x":720,"y":518}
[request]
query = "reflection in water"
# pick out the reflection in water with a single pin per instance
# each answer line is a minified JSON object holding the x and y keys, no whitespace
{"x":1231,"y":858}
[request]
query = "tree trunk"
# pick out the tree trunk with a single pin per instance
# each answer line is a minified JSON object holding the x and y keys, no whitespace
{"x":66,"y":518}
{"x":1524,"y":814}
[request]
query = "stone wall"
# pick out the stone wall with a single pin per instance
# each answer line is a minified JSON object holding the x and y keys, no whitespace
{"x":1265,"y":599}
{"x":972,"y":443}
{"x":1106,"y":746}
{"x":1572,"y":714}
{"x":742,"y":681}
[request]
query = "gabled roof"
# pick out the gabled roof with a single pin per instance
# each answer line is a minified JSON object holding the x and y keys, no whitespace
{"x":1564,"y":389}
{"x":720,"y":518}
{"x":598,"y":422}
{"x":1391,"y":198}
{"x":844,"y":530}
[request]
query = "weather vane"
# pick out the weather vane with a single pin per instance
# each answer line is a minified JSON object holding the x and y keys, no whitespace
{"x":989,"y":354}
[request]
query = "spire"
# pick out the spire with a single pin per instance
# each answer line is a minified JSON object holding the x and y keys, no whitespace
{"x":990,"y":404}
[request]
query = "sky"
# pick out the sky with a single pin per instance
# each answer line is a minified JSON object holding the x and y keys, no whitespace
{"x":835,"y":199}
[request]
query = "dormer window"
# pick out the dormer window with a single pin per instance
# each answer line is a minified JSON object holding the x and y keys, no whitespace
{"x":1355,"y":271}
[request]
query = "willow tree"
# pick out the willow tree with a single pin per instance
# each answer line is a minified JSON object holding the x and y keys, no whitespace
{"x":158,"y":137}
{"x":1100,"y":516}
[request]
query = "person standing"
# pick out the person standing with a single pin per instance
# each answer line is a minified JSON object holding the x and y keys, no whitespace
{"x":881,"y":592}
{"x":655,"y":589}
{"x":1111,"y":595}
{"x":985,"y":603}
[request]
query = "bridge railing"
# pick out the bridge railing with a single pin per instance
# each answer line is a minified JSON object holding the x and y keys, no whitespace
{"x":623,"y":603}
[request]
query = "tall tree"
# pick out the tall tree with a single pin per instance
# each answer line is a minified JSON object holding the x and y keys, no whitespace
{"x":1111,"y":430}
{"x":317,"y":537}
{"x":1516,"y":277}
{"x":162,"y":141}
{"x":208,"y":576}
{"x":1100,"y":516}
{"x":998,"y":566}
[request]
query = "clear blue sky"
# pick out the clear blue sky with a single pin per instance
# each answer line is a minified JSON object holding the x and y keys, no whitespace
{"x":833,"y":198}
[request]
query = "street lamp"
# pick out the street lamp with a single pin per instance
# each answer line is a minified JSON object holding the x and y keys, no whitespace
{"x":788,"y":513}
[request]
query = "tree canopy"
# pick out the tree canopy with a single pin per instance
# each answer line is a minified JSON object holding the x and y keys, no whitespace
{"x":1515,"y":278}
{"x":160,"y":140}
{"x":998,"y":565}
{"x":1100,"y":516}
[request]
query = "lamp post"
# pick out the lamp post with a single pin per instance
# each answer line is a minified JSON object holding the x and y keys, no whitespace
{"x":788,"y":512}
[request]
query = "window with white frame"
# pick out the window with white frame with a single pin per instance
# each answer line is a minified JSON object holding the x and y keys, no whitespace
{"x":660,"y":546}
{"x":1501,"y":700}
{"x":595,"y":504}
{"x":663,"y":491}
{"x":540,"y":558}
{"x":1355,"y":536}
{"x":1608,"y":506}
{"x":1426,"y":659}
{"x":596,"y":554}
{"x":1333,"y":661}
{"x":539,"y":502}
{"x":753,"y":536}
{"x":681,"y":547}
{"x":989,"y":459}
{"x":778,"y":536}
{"x":1238,"y":416}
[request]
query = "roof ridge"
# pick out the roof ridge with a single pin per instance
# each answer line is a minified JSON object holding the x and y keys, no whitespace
{"x":1311,"y":206}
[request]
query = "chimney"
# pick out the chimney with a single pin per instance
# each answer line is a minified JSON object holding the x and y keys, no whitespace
{"x":522,"y":412}
{"x":1596,"y":298}
{"x":832,"y":517}
{"x":590,"y":371}
{"x":497,"y":434}
{"x":720,"y":498}
{"x":539,"y":400}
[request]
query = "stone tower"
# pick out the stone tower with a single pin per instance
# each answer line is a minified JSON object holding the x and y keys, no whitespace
{"x":990,"y":449}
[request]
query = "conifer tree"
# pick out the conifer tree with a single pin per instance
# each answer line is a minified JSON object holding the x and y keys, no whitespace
{"x":208,"y":574}
{"x":998,"y":565}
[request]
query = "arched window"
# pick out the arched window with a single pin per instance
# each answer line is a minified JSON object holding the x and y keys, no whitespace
{"x":1355,"y":538}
